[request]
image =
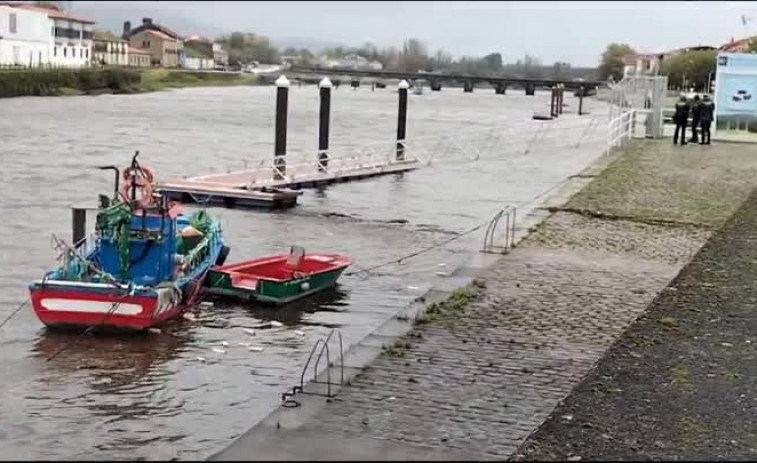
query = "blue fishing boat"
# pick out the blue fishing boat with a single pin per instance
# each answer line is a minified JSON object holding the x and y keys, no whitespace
{"x":144,"y":265}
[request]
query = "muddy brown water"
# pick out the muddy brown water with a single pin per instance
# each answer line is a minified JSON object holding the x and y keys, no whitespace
{"x":149,"y":397}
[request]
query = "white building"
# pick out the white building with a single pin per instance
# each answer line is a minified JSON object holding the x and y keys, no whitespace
{"x":24,"y":37}
{"x":110,"y":50}
{"x":35,"y":36}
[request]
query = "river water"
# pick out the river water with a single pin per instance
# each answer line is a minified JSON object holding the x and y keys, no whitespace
{"x":151,"y":397}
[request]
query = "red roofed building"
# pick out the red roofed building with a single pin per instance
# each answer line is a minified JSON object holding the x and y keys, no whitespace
{"x":165,"y":46}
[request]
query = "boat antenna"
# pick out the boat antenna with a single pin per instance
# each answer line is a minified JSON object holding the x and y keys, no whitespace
{"x":118,"y":174}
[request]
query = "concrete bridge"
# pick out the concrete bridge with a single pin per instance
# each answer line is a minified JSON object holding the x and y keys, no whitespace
{"x":500,"y":84}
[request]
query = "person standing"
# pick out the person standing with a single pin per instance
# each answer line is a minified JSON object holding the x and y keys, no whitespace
{"x":696,"y":114}
{"x":708,"y":111}
{"x":681,"y":117}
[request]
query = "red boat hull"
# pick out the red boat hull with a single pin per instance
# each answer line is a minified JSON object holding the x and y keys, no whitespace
{"x":87,"y":305}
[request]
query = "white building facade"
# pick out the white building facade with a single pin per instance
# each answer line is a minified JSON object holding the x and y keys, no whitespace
{"x":71,"y":42}
{"x":25,"y":37}
{"x":34,"y":36}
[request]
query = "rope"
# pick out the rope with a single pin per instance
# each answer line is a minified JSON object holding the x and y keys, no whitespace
{"x":13,"y":314}
{"x":417,"y":253}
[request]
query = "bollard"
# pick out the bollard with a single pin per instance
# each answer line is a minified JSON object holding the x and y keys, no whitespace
{"x":402,"y":120}
{"x":280,"y":143}
{"x":78,"y":225}
{"x":468,"y":86}
{"x":581,"y":92}
{"x":530,"y":89}
{"x":562,"y":98}
{"x":552,"y":102}
{"x":323,"y":124}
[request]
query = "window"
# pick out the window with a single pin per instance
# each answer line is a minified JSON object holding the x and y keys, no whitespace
{"x":12,"y":25}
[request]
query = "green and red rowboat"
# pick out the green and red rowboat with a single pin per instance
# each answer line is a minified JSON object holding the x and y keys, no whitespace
{"x":279,"y":279}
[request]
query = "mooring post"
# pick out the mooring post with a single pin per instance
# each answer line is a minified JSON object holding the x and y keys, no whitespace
{"x":323,"y":124}
{"x":580,"y":100}
{"x":78,"y":225}
{"x":402,"y":120}
{"x":280,"y":143}
{"x":373,"y":86}
{"x":552,"y":102}
{"x":562,"y":98}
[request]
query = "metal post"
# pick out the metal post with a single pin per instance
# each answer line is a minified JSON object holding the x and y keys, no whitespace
{"x":78,"y":225}
{"x":402,"y":120}
{"x":580,"y":100}
{"x":280,"y":143}
{"x":552,"y":103}
{"x":561,"y":98}
{"x":323,"y":124}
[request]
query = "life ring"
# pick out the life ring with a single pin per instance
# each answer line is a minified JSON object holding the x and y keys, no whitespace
{"x":142,"y":180}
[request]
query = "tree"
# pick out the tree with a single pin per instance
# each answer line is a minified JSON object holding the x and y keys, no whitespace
{"x":493,"y":62}
{"x":413,"y":57}
{"x":611,"y":64}
{"x":691,"y":69}
{"x":751,"y":46}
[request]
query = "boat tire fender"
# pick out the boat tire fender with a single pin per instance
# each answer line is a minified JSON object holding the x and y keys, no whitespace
{"x":223,"y":255}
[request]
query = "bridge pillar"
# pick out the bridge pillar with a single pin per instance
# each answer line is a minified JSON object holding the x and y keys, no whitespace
{"x":500,"y":89}
{"x":355,"y":84}
{"x":530,"y":89}
{"x":402,"y":120}
{"x":323,"y":124}
{"x":280,"y":141}
{"x":436,"y":85}
{"x":468,"y":86}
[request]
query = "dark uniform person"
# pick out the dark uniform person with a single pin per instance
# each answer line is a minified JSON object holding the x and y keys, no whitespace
{"x":696,"y":113}
{"x":681,"y":117}
{"x":708,"y":110}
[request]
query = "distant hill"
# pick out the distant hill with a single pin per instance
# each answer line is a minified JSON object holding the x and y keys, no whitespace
{"x":314,"y":45}
{"x":111,"y":16}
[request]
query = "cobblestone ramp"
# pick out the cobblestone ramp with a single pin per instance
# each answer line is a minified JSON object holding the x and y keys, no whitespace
{"x":476,"y":385}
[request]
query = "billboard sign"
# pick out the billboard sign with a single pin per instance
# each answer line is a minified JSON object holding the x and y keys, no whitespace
{"x":736,"y":94}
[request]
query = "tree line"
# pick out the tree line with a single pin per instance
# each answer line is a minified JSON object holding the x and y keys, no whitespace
{"x":412,"y":56}
{"x":688,"y":69}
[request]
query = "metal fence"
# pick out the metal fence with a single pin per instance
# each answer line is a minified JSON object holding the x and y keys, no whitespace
{"x":645,"y":95}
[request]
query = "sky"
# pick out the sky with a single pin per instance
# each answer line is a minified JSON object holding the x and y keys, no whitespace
{"x":575,"y":32}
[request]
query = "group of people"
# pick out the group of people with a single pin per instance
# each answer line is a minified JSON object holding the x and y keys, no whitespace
{"x":701,"y":117}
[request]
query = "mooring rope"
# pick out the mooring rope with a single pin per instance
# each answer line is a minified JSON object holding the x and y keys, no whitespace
{"x":13,"y":314}
{"x":417,"y":253}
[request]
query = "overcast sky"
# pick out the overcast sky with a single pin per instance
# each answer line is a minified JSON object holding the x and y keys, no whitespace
{"x":576,"y":32}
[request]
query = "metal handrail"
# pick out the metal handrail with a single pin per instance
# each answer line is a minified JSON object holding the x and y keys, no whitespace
{"x":509,"y":214}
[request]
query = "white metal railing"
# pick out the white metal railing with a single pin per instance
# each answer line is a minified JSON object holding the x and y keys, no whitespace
{"x":621,"y":129}
{"x":518,"y":138}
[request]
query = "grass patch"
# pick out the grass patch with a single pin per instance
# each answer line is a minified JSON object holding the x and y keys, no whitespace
{"x":398,"y":348}
{"x":160,"y":79}
{"x":679,"y":374}
{"x":456,"y":303}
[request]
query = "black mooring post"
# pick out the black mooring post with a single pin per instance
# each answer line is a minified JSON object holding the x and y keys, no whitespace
{"x":280,"y":143}
{"x":323,"y":124}
{"x":78,"y":224}
{"x":580,"y":100}
{"x":562,"y":98}
{"x":552,"y":103}
{"x":402,"y":120}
